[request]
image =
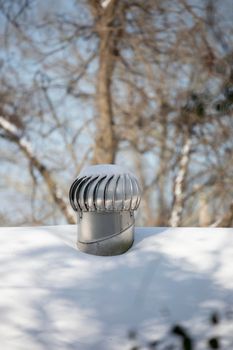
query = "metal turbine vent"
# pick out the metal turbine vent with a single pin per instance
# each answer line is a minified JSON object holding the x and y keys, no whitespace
{"x":105,"y":197}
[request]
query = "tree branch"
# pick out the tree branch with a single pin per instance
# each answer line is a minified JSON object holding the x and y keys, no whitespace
{"x":226,"y":220}
{"x":15,"y":136}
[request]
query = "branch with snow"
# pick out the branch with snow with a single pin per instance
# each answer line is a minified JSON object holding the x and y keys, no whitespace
{"x":105,"y":3}
{"x":14,"y":135}
{"x":12,"y":130}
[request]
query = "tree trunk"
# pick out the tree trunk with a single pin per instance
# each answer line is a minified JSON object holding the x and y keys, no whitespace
{"x":105,"y":142}
{"x":179,"y":185}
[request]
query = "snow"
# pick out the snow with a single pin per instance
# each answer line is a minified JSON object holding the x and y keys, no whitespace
{"x":105,"y":3}
{"x":56,"y":297}
{"x":5,"y":124}
{"x":24,"y":143}
{"x":12,"y":129}
{"x":103,"y":169}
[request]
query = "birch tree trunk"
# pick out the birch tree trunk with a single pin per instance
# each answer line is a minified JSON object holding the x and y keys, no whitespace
{"x":179,"y":184}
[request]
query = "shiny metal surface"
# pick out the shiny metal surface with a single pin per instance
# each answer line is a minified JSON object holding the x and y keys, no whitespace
{"x":105,"y":198}
{"x":105,"y":193}
{"x":105,"y":233}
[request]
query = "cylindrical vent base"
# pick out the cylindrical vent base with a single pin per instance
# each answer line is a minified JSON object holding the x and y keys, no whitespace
{"x":105,"y":233}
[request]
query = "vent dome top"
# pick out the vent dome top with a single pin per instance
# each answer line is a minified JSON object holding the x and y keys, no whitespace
{"x":106,"y":187}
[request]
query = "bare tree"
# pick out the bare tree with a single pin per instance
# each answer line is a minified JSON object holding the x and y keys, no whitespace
{"x":146,"y":84}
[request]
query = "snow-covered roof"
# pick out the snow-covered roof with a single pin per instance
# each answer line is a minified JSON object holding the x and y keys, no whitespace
{"x":56,"y":297}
